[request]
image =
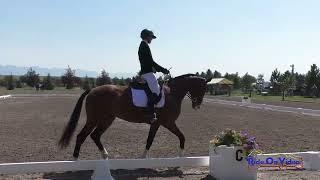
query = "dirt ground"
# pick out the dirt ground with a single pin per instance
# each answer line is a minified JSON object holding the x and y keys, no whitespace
{"x":31,"y":126}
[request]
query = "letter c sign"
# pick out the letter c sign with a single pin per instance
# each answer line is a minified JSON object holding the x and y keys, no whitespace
{"x":239,"y":155}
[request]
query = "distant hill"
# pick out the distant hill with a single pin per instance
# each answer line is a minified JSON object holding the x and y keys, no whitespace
{"x":17,"y":70}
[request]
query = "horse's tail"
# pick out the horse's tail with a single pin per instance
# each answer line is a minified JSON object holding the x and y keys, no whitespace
{"x":72,"y":124}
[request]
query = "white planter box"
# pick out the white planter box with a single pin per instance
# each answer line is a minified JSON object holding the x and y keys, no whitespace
{"x":248,"y":100}
{"x":225,"y":166}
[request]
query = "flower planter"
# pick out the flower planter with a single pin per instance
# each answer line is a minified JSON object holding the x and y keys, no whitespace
{"x":229,"y":163}
{"x":246,"y":99}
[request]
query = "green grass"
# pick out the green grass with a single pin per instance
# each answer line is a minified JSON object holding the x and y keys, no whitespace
{"x":29,"y":90}
{"x":276,"y":98}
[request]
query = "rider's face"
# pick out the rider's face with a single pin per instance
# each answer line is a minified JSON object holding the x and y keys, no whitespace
{"x":149,"y":39}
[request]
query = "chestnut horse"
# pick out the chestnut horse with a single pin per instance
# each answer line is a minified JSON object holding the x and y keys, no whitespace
{"x":105,"y":103}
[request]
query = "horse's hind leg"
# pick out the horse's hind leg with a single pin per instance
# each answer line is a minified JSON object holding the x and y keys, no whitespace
{"x":172,"y":127}
{"x":81,"y":137}
{"x":102,"y":126}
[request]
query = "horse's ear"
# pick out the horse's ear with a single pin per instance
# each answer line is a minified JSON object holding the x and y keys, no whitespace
{"x":208,"y":80}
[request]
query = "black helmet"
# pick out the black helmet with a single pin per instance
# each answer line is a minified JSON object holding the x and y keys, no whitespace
{"x":147,"y":33}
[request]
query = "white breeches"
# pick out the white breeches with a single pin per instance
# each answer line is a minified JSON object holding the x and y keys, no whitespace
{"x":152,"y":82}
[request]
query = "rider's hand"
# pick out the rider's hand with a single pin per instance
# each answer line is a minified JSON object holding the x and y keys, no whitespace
{"x":166,"y":71}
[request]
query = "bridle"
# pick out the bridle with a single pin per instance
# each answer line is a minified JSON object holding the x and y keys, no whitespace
{"x":194,"y":100}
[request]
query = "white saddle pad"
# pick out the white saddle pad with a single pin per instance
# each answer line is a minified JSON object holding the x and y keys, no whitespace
{"x":140,"y":99}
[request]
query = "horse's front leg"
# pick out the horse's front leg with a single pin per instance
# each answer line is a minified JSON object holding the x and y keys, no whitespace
{"x":152,"y":132}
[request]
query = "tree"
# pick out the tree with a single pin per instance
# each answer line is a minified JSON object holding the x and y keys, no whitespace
{"x":285,"y":81}
{"x":47,"y":83}
{"x":274,"y":76}
{"x":234,"y":77}
{"x":86,"y":84}
{"x":18,"y":84}
{"x":197,"y":74}
{"x":260,"y":83}
{"x":312,"y":81}
{"x":92,"y":82}
{"x":217,"y":74}
{"x":10,"y":82}
{"x":31,"y":78}
{"x":103,"y":79}
{"x":300,"y":82}
{"x":203,"y":74}
{"x":246,"y":82}
{"x":69,"y":78}
{"x":115,"y":80}
{"x":274,"y":80}
{"x":209,"y":74}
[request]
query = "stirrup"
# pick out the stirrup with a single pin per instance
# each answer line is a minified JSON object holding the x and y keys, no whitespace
{"x":154,"y":119}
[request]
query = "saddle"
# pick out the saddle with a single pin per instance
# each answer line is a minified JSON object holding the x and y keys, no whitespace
{"x":141,"y":93}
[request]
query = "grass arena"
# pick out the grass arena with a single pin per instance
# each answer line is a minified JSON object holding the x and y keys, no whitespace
{"x":31,"y":126}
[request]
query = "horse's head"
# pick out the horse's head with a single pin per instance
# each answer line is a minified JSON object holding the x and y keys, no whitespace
{"x":194,"y":86}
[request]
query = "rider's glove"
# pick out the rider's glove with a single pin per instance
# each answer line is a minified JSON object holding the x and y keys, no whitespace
{"x":165,"y":71}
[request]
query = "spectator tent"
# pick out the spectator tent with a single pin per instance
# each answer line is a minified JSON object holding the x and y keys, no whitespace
{"x":220,"y":86}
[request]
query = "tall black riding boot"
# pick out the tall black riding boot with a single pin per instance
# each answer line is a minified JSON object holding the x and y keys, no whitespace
{"x":151,"y":114}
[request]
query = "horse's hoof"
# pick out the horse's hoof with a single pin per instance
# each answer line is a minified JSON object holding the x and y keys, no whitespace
{"x":145,"y":155}
{"x":181,"y":153}
{"x":75,"y":158}
{"x":105,"y":156}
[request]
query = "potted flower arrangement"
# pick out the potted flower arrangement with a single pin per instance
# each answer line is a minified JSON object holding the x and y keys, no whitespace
{"x":228,"y":153}
{"x":246,"y":99}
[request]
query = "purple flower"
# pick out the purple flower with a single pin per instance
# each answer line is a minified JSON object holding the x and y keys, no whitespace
{"x":252,"y":139}
{"x":244,"y":133}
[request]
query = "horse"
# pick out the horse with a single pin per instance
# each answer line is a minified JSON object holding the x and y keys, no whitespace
{"x":106,"y":103}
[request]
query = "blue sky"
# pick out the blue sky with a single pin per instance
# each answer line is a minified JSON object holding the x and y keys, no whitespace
{"x":230,"y":36}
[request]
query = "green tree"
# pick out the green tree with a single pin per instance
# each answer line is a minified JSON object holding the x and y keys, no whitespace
{"x":217,"y":74}
{"x":69,"y":78}
{"x":260,"y":83}
{"x":275,"y":75}
{"x":209,"y":74}
{"x":115,"y":80}
{"x":86,"y":84}
{"x":18,"y":84}
{"x":234,"y":77}
{"x":300,"y":82}
{"x":10,"y":82}
{"x":274,"y":80}
{"x":31,"y":78}
{"x":47,"y":83}
{"x":103,"y":79}
{"x":312,"y":81}
{"x":246,"y":82}
{"x":285,"y":81}
{"x":203,"y":74}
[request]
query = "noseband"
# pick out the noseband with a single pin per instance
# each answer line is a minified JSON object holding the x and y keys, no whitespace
{"x":194,"y":100}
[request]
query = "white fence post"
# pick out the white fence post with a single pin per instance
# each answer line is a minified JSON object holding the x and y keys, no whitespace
{"x":102,"y":171}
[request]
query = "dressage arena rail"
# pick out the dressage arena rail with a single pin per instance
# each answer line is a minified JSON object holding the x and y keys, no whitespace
{"x":5,"y":96}
{"x":303,"y":111}
{"x":101,"y":168}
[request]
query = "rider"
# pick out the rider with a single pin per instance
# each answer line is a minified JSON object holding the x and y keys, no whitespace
{"x":148,"y":68}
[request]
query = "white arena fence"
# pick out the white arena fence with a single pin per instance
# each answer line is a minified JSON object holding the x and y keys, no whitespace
{"x":5,"y":97}
{"x":101,"y":168}
{"x":302,"y":111}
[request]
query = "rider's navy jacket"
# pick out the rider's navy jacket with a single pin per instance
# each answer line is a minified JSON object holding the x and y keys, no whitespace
{"x":146,"y":61}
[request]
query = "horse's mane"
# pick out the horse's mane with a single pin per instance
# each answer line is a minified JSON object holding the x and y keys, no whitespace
{"x":172,"y":80}
{"x":185,"y":76}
